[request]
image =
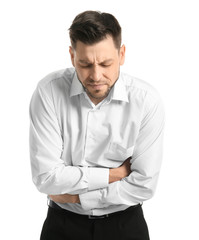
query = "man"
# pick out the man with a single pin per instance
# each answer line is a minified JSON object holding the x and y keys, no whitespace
{"x":95,"y":139}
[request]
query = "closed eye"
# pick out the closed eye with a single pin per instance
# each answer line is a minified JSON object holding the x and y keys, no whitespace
{"x":86,"y":66}
{"x":105,"y":65}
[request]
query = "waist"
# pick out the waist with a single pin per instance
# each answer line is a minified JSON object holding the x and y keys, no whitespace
{"x":64,"y":211}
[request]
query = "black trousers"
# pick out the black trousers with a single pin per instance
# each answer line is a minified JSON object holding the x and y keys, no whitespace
{"x":125,"y":225}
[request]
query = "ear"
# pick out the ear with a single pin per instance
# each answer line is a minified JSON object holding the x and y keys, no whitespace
{"x":72,"y":55}
{"x":122,"y":54}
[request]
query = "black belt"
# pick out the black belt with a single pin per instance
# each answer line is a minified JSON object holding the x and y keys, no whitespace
{"x":55,"y":206}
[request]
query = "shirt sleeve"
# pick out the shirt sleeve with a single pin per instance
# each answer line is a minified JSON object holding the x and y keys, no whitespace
{"x":146,"y":161}
{"x":50,"y":173}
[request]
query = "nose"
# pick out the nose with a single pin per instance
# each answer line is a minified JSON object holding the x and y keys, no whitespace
{"x":96,"y":73}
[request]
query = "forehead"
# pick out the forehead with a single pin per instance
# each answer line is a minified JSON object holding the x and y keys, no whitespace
{"x":101,"y":51}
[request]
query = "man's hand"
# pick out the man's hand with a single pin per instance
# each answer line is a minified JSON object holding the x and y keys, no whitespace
{"x":65,"y":198}
{"x":116,"y":174}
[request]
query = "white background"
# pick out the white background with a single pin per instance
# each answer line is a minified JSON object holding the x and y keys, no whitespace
{"x":162,"y":42}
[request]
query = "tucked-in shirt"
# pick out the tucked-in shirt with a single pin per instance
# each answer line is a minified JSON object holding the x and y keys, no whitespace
{"x":74,"y":143}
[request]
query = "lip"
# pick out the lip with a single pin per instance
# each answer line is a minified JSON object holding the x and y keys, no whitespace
{"x":96,"y":86}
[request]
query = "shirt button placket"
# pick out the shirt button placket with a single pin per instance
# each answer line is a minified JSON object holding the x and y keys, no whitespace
{"x":89,"y":140}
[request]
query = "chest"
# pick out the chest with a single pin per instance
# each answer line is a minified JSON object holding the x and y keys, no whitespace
{"x":99,"y":133}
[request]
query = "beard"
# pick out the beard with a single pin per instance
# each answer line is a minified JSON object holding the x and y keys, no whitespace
{"x":97,"y":93}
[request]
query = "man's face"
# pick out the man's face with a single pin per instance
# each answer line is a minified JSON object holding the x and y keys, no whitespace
{"x":97,"y":66}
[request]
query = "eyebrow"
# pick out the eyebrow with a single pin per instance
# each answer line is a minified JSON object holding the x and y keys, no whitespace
{"x":103,"y":62}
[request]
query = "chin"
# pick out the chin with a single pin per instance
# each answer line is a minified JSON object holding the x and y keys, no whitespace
{"x":99,"y":95}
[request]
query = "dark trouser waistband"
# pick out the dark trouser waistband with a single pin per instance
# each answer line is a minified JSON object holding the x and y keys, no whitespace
{"x":55,"y":206}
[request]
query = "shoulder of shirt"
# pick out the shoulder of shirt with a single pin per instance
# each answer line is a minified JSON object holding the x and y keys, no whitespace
{"x":139,"y":87}
{"x":56,"y":77}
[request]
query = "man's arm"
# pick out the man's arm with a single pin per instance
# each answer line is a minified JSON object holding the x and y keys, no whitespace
{"x":115,"y":174}
{"x":146,"y":161}
{"x":50,"y":173}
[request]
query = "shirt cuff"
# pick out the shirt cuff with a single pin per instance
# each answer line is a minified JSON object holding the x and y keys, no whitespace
{"x":97,"y":178}
{"x":91,"y":200}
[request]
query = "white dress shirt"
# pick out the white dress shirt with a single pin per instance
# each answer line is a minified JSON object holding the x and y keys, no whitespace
{"x":73,"y":142}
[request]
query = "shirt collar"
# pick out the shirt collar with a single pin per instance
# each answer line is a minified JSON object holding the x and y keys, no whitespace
{"x":118,"y":92}
{"x":76,"y":86}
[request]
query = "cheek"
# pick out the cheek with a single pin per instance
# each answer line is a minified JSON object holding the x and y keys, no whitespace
{"x":112,"y":74}
{"x":81,"y":72}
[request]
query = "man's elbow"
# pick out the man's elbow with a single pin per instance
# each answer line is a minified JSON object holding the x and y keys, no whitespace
{"x":42,"y":183}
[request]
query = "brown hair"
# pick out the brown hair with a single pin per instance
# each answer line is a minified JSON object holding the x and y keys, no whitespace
{"x":91,"y":27}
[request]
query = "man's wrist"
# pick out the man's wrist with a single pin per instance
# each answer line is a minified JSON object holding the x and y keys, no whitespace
{"x":77,"y":199}
{"x":65,"y":198}
{"x":114,"y":175}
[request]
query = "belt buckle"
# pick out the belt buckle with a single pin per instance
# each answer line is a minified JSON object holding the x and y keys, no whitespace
{"x":98,"y":217}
